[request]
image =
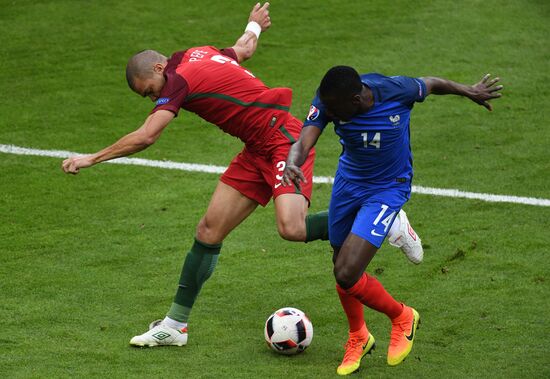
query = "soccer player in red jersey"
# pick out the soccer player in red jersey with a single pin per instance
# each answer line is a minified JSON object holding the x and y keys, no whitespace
{"x":212,"y":83}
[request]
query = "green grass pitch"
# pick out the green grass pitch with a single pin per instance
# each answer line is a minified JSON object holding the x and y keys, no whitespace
{"x":87,"y":262}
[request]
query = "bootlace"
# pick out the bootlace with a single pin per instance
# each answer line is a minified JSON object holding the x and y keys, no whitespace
{"x":397,"y":330}
{"x":353,"y":349}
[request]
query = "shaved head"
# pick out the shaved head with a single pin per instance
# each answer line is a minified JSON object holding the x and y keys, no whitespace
{"x":141,"y":66}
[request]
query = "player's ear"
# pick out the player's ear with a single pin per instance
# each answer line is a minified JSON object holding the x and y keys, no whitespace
{"x":356,"y":99}
{"x":158,"y":68}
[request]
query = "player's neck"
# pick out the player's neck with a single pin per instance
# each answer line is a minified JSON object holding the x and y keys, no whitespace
{"x":367,"y":99}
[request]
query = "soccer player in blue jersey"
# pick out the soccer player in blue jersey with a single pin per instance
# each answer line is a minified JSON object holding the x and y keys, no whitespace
{"x":371,"y":115}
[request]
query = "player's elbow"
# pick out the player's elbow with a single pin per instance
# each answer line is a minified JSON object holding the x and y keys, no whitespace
{"x":244,"y":51}
{"x":246,"y":54}
{"x":145,"y":140}
{"x":433,"y":84}
{"x":149,"y":140}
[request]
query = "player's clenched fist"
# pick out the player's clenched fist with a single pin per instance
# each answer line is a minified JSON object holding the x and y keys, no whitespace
{"x":260,"y":14}
{"x":73,"y":165}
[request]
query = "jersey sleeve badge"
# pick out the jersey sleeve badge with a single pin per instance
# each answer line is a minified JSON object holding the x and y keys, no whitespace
{"x":313,"y":113}
{"x":163,"y":100}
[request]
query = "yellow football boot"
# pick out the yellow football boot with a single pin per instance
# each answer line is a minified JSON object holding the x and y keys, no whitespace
{"x":403,"y":331}
{"x":359,"y":344}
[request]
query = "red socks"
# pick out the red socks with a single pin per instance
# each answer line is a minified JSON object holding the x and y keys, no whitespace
{"x":370,"y":292}
{"x":353,"y":309}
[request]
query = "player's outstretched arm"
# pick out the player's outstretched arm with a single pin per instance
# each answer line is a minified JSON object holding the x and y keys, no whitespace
{"x":298,"y":154}
{"x":480,"y":93}
{"x":258,"y":21}
{"x":131,"y":143}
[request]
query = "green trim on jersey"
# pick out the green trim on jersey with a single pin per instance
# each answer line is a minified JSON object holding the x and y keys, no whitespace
{"x":287,"y":134}
{"x":236,"y":101}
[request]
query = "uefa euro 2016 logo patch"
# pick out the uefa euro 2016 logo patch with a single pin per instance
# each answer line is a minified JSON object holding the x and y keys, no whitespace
{"x":163,"y":100}
{"x":313,"y":113}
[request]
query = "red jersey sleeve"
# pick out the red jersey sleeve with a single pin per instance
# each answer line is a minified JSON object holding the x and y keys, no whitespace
{"x":175,"y":88}
{"x":229,"y":52}
{"x":172,"y":95}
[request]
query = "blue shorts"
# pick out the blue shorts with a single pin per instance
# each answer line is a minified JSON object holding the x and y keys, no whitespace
{"x":367,"y":212}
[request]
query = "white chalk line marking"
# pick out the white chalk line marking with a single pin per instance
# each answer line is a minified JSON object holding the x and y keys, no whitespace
{"x":195,"y":167}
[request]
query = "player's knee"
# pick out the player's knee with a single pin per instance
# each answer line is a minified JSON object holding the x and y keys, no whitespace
{"x":291,"y":230}
{"x":345,"y":276}
{"x":335,"y":251}
{"x":291,"y":212}
{"x":207,"y":233}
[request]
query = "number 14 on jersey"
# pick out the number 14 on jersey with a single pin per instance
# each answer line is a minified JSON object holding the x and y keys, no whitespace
{"x":375,"y":141}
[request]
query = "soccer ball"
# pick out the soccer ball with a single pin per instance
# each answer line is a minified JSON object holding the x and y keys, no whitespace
{"x":288,"y":331}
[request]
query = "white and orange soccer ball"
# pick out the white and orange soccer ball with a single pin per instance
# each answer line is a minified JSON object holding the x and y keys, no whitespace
{"x":288,"y":331}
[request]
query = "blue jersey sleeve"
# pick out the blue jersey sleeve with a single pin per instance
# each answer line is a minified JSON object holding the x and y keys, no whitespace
{"x":317,"y":115}
{"x":411,"y":89}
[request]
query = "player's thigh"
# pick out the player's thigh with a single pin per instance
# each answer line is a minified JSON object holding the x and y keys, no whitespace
{"x":280,"y":146}
{"x":335,"y":251}
{"x":245,"y":174}
{"x":345,"y":202}
{"x":290,"y":207}
{"x":376,"y":215}
{"x":291,"y":202}
{"x":227,"y":209}
{"x":290,"y":212}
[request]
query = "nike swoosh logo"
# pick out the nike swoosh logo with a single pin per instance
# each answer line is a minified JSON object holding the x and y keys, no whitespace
{"x":411,"y":336}
{"x":278,"y":185}
{"x":376,"y":234}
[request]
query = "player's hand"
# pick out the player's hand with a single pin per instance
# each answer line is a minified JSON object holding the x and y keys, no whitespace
{"x":293,"y":174}
{"x":486,"y":90}
{"x":260,"y":14}
{"x":73,"y":165}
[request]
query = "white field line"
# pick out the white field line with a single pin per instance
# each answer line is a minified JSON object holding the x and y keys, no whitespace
{"x":11,"y":149}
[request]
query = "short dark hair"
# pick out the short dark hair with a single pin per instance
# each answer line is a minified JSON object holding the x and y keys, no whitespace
{"x":340,"y":81}
{"x":141,"y":65}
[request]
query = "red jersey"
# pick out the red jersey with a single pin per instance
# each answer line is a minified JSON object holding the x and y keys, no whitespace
{"x":210,"y":83}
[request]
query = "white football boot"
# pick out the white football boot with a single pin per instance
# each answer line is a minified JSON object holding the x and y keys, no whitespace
{"x":407,"y":240}
{"x":160,"y":335}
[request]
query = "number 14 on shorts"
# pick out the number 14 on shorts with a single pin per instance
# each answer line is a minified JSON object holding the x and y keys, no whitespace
{"x":386,"y":221}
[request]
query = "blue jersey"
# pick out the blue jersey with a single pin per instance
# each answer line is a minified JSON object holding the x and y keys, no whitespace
{"x":376,"y":144}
